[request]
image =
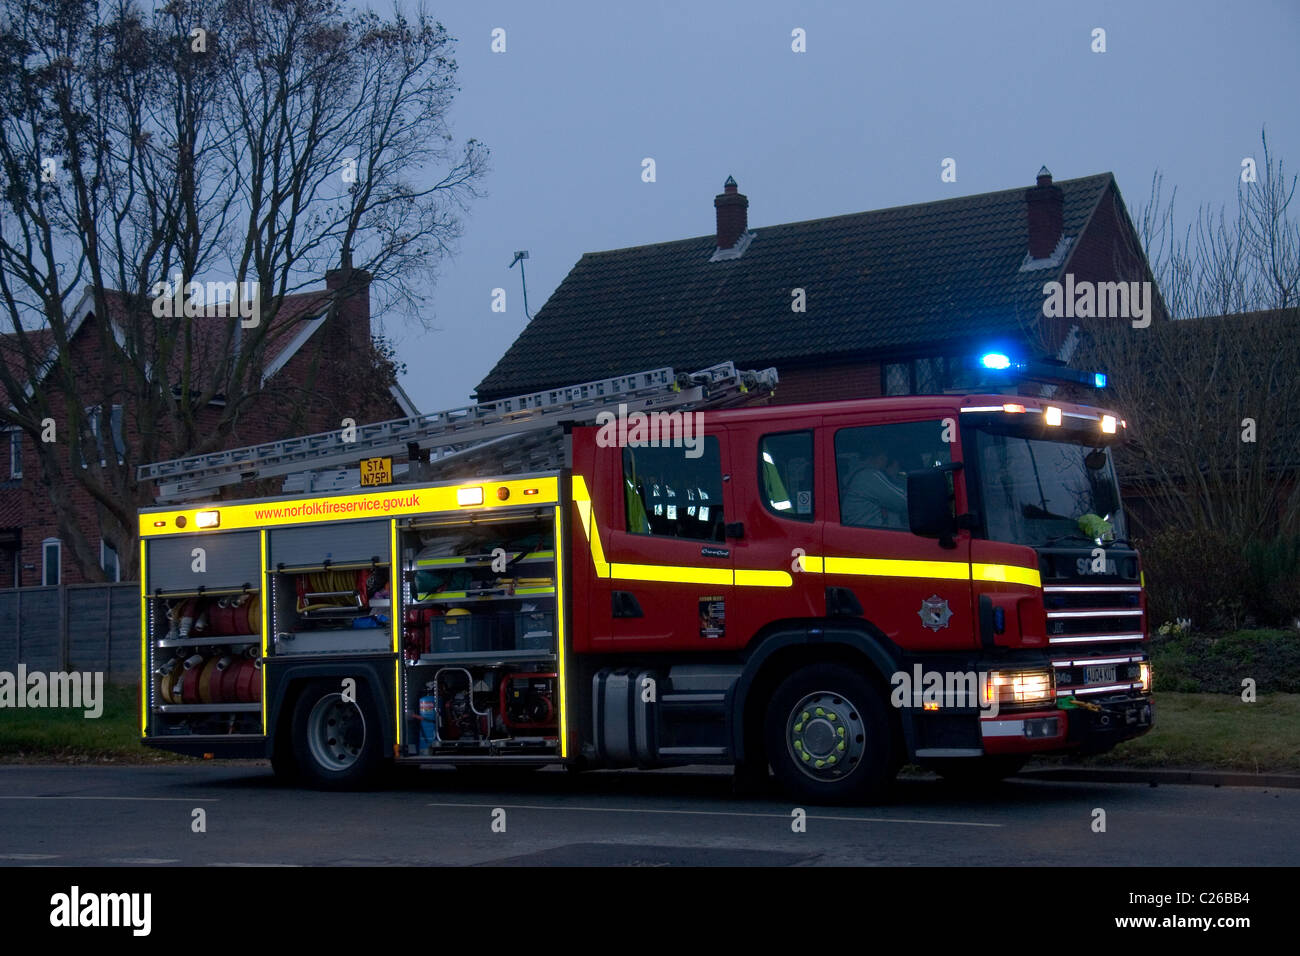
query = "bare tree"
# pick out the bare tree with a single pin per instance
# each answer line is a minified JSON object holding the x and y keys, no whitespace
{"x":1212,"y":396}
{"x":236,"y":140}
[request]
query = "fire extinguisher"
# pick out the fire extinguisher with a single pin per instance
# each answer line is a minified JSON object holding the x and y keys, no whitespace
{"x":429,"y":716}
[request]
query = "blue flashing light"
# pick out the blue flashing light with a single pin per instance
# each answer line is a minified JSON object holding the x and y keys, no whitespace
{"x":1099,"y":379}
{"x":996,"y":360}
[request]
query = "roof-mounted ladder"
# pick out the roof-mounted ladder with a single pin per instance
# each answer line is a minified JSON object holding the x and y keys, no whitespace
{"x":471,"y":435}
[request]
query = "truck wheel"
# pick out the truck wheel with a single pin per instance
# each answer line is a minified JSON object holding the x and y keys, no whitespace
{"x":336,"y":743}
{"x":829,"y":737}
{"x":977,"y":771}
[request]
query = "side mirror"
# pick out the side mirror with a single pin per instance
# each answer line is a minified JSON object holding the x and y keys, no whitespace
{"x":929,"y":504}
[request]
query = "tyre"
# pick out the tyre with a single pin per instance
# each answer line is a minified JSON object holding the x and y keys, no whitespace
{"x":336,"y":743}
{"x":829,"y":736}
{"x":977,"y":771}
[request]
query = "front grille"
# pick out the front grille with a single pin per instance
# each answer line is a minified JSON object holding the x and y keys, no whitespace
{"x":1096,"y":626}
{"x":1081,"y":614}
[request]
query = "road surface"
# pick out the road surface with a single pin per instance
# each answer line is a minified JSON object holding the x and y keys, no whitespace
{"x":145,"y":816}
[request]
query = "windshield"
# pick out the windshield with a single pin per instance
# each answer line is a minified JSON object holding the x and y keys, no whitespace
{"x":1040,"y":493}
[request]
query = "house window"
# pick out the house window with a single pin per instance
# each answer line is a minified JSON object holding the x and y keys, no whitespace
{"x":108,"y":561}
{"x":922,"y":376}
{"x":51,"y":561}
{"x":929,"y":375}
{"x":898,"y":378}
{"x":94,"y":415}
{"x":15,"y":453}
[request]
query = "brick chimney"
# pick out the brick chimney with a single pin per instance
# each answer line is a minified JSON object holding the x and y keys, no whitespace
{"x":1046,"y":208}
{"x":733,"y":216}
{"x":351,"y":329}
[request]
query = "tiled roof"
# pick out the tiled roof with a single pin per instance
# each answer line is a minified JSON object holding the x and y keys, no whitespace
{"x":890,"y":280}
{"x":207,"y":337}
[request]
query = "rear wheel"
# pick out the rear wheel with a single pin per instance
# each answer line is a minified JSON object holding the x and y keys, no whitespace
{"x":829,"y":737}
{"x":336,"y":743}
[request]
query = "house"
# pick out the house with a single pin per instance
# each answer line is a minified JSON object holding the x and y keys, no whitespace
{"x":307,"y":351}
{"x":855,"y":306}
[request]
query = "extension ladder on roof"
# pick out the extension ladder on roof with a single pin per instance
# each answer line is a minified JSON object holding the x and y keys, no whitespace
{"x":522,"y":433}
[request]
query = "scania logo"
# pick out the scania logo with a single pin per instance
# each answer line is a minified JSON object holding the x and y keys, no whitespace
{"x":1094,"y":566}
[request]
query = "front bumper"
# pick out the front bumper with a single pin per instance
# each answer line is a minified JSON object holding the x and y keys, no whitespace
{"x":1091,"y":727}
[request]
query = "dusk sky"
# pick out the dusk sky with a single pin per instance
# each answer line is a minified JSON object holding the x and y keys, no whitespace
{"x":861,"y":120}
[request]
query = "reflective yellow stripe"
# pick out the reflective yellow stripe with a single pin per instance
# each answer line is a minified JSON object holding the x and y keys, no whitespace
{"x":665,"y":573}
{"x":559,"y":632}
{"x":394,"y":605}
{"x":582,"y":498}
{"x":670,"y":574}
{"x":266,"y":610}
{"x":1010,"y":573}
{"x":890,"y":568}
{"x":145,"y":689}
{"x":808,"y":563}
{"x":394,"y":501}
{"x":763,"y":579}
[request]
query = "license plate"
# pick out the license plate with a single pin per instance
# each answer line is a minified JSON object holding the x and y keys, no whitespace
{"x":377,"y":471}
{"x":1099,"y":674}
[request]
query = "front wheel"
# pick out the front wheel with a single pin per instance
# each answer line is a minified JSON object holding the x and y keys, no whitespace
{"x":336,"y":743}
{"x":829,"y":736}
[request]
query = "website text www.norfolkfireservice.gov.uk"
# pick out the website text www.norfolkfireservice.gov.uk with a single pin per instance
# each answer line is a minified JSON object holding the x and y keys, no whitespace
{"x":325,"y":506}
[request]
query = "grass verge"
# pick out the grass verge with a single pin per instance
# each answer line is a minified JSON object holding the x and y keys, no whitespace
{"x":1213,"y":732}
{"x":67,"y":736}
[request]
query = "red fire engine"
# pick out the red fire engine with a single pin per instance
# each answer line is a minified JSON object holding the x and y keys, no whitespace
{"x":829,"y":590}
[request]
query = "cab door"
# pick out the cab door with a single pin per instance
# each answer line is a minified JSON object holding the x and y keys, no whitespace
{"x":775,"y":496}
{"x":914,"y":589}
{"x":670,"y":564}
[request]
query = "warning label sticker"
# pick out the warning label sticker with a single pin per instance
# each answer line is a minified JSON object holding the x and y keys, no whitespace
{"x":713,"y":617}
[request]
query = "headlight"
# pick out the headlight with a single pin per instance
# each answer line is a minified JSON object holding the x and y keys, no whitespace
{"x":1012,"y":688}
{"x":1144,"y":675}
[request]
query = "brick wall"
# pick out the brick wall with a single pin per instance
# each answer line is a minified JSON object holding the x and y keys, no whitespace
{"x":325,"y":368}
{"x":827,"y":383}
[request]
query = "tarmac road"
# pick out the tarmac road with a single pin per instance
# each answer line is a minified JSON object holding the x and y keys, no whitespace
{"x":142,"y":816}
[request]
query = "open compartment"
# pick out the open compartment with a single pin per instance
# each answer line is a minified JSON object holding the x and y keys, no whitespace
{"x":479,"y":636}
{"x":331,"y":589}
{"x":203,"y":627}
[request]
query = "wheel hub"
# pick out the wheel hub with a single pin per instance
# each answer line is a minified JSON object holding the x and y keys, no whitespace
{"x":336,"y":732}
{"x":825,"y":735}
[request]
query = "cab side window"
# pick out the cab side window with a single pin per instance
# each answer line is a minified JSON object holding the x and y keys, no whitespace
{"x":872,"y":463}
{"x":668,"y":494}
{"x":785,"y":474}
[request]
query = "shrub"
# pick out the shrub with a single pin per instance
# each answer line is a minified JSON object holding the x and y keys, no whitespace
{"x":1197,"y":575}
{"x":1217,"y":663}
{"x":1273,"y":584}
